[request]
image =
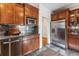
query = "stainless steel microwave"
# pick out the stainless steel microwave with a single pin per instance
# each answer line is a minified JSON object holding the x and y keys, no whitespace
{"x":30,"y":20}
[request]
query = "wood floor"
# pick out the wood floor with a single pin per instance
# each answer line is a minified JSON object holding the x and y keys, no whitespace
{"x":44,"y":41}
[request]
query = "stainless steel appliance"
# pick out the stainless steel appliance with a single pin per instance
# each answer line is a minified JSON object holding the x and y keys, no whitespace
{"x":58,"y":33}
{"x":30,"y":20}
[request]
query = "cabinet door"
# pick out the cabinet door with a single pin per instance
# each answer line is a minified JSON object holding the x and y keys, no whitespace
{"x":19,"y":15}
{"x":77,"y":13}
{"x":77,"y":43}
{"x":27,"y":10}
{"x":31,"y":11}
{"x":37,"y":42}
{"x":6,"y":13}
{"x":26,"y":45}
{"x":30,"y":44}
{"x":35,"y":13}
{"x":5,"y":49}
{"x":62,"y":15}
{"x":55,"y":17}
{"x":74,"y":43}
{"x":15,"y":48}
{"x":34,"y":42}
{"x":71,"y":42}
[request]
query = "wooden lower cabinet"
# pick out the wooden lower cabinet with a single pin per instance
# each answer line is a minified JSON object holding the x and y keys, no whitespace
{"x":30,"y":44}
{"x":19,"y":47}
{"x":5,"y":49}
{"x":15,"y":49}
{"x":26,"y":46}
{"x":37,"y":42}
{"x":73,"y":43}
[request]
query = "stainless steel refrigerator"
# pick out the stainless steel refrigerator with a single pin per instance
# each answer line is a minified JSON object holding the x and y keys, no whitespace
{"x":58,"y":33}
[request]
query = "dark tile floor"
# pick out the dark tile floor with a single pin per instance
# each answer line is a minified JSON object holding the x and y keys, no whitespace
{"x":45,"y":51}
{"x":51,"y":50}
{"x":65,"y":52}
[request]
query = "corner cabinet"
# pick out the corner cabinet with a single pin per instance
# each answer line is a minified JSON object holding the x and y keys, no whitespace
{"x":30,"y":44}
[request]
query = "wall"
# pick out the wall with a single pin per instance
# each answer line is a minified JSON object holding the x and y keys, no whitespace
{"x":44,"y":27}
{"x":44,"y":12}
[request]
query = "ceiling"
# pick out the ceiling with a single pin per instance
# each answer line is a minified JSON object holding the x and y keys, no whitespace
{"x":34,"y":4}
{"x":54,"y":6}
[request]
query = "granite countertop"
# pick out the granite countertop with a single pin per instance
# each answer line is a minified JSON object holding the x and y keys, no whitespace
{"x":75,"y":34}
{"x":14,"y":36}
{"x":8,"y":37}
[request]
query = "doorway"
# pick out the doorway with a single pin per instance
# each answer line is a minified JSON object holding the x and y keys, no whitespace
{"x":44,"y":31}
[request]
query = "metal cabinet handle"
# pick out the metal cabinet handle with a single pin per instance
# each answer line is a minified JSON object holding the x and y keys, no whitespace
{"x":11,"y":42}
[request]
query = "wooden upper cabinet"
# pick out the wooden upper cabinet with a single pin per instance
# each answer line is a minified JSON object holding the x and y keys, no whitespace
{"x":19,"y":14}
{"x":62,"y":15}
{"x":54,"y":17}
{"x":59,"y":15}
{"x":6,"y":13}
{"x":27,"y":10}
{"x":11,"y":13}
{"x":15,"y":13}
{"x":31,"y":11}
{"x":35,"y":13}
{"x":76,"y":12}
